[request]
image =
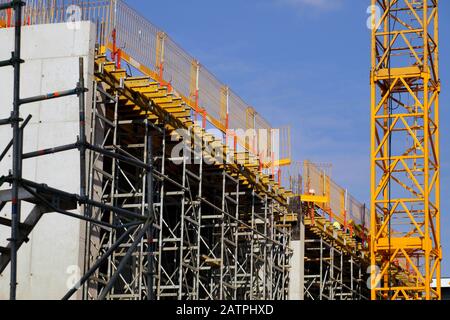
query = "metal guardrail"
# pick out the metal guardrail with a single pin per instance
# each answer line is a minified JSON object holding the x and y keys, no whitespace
{"x":341,"y":206}
{"x":151,"y":51}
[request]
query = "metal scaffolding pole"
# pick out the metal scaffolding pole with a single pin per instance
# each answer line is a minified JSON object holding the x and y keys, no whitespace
{"x":17,"y":234}
{"x":332,"y":274}
{"x":160,"y":205}
{"x":149,"y":267}
{"x":16,"y":146}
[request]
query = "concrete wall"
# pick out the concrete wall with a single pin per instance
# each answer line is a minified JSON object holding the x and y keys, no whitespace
{"x":297,"y":271}
{"x":47,"y":263}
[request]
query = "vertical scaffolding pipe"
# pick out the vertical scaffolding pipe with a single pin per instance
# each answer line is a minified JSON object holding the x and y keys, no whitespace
{"x":332,"y":279}
{"x":322,"y":282}
{"x":266,"y":234}
{"x":271,"y":247}
{"x":222,"y":231}
{"x":302,"y":255}
{"x":161,"y":215}
{"x":200,"y":222}
{"x":185,"y":185}
{"x":151,"y":232}
{"x":82,"y":138}
{"x":82,"y":144}
{"x":341,"y":276}
{"x":236,"y":241}
{"x":252,"y":247}
{"x":17,"y":156}
{"x":90,"y":185}
{"x":352,"y":287}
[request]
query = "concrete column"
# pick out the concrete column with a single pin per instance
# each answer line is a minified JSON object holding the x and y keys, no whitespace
{"x":297,"y":273}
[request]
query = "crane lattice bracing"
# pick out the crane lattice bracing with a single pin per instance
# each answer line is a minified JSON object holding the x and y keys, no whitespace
{"x":405,"y":208}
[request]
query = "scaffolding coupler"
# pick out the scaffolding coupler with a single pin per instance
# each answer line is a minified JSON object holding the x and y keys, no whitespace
{"x":11,"y":62}
{"x":11,"y":4}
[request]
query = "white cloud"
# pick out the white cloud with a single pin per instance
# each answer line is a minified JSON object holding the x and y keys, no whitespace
{"x":322,"y":5}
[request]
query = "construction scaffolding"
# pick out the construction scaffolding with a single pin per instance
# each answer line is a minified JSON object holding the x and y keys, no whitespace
{"x":335,"y":249}
{"x":172,"y":210}
{"x":331,"y":273}
{"x":130,"y":38}
{"x":163,"y":226}
{"x":215,"y":235}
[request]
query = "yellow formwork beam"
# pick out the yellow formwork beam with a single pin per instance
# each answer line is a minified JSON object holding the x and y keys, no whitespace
{"x":191,"y":101}
{"x":314,"y":199}
{"x":170,"y":108}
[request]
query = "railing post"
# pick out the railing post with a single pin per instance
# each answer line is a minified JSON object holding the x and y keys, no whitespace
{"x":8,"y":18}
{"x":345,"y":209}
{"x":160,"y":39}
{"x":194,"y":87}
{"x":17,"y":149}
{"x":114,"y":50}
{"x":224,"y":109}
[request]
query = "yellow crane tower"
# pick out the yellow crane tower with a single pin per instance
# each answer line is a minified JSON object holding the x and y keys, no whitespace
{"x":405,"y":205}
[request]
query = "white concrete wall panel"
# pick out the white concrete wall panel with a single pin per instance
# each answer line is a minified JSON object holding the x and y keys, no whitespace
{"x":51,"y":54}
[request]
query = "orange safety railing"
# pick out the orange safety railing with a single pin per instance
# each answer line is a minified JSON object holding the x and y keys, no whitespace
{"x":341,"y":206}
{"x":128,"y":36}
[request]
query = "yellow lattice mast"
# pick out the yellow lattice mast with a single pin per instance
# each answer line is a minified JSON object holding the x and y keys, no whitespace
{"x":405,"y":204}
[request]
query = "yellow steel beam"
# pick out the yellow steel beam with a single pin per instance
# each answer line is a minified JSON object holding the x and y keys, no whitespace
{"x":314,"y":199}
{"x":405,"y":170}
{"x":277,"y":163}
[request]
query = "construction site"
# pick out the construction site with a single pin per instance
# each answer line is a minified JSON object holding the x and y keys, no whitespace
{"x":128,"y":171}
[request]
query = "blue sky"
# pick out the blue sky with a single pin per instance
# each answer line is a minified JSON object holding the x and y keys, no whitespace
{"x":304,"y":63}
